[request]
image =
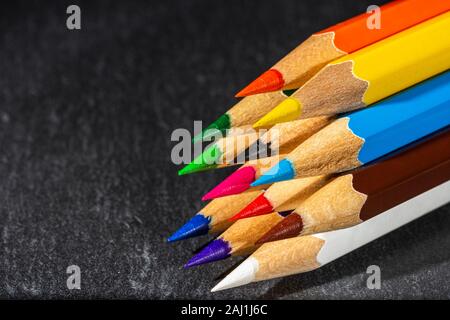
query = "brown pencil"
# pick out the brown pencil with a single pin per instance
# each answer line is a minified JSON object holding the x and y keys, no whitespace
{"x":239,"y":239}
{"x":386,"y":195}
{"x":362,"y":194}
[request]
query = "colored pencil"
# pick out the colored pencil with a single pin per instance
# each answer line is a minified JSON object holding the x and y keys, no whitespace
{"x":370,"y":74}
{"x":303,"y":254}
{"x":237,"y":240}
{"x":346,"y":37}
{"x":284,"y":137}
{"x":365,"y":135}
{"x":240,"y":180}
{"x":222,"y":153}
{"x":282,"y":196}
{"x":361,"y":195}
{"x":245,"y":112}
{"x":213,"y":218}
{"x":240,"y":238}
{"x":237,"y":131}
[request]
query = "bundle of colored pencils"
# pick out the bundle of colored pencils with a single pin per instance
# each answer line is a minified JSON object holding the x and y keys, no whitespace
{"x":356,"y":143}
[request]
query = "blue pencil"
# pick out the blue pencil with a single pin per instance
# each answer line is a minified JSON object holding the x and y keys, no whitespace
{"x":363,"y":136}
{"x":213,"y":218}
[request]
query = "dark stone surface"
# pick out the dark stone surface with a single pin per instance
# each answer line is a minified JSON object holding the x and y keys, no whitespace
{"x":85,"y":170}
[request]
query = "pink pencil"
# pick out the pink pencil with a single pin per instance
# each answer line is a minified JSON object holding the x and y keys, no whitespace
{"x":240,"y":180}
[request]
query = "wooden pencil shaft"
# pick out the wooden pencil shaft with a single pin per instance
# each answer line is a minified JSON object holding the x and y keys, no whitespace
{"x":242,"y":234}
{"x":286,"y":194}
{"x":306,"y":253}
{"x":290,"y":134}
{"x":308,"y":58}
{"x":221,"y":209}
{"x":333,"y":149}
{"x":379,"y":70}
{"x":378,"y":187}
{"x":251,"y":108}
{"x":351,"y":35}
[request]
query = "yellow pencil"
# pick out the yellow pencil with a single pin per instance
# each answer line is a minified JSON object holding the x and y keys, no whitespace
{"x":285,"y":137}
{"x":370,"y":74}
{"x":242,"y":144}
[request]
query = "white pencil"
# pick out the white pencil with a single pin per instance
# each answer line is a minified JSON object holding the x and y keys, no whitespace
{"x":302,"y":254}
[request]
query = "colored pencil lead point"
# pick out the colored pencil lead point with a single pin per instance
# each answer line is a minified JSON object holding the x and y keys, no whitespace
{"x":237,"y":182}
{"x":192,"y":168}
{"x":288,"y":110}
{"x":289,"y":227}
{"x":243,"y":274}
{"x":270,"y":80}
{"x":283,"y":170}
{"x":257,"y":207}
{"x":257,"y":150}
{"x":214,"y":251}
{"x":206,"y":161}
{"x":196,"y":226}
{"x":222,"y":124}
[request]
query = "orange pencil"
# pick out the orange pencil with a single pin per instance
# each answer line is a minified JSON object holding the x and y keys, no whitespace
{"x":309,"y":57}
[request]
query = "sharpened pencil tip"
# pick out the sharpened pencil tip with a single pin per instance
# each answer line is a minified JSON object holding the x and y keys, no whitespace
{"x":257,"y":207}
{"x":218,"y":249}
{"x":289,"y":227}
{"x":283,"y":170}
{"x":196,"y":226}
{"x":237,"y":182}
{"x":270,"y":80}
{"x":288,"y":110}
{"x":244,"y":273}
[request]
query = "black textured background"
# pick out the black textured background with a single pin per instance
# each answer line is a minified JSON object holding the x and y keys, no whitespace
{"x":85,"y":170}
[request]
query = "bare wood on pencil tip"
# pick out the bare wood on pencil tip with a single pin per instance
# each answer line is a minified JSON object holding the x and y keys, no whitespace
{"x":288,"y":195}
{"x":330,"y":89}
{"x":333,"y":149}
{"x":287,"y":135}
{"x":334,"y":205}
{"x":221,"y":209}
{"x":337,"y":205}
{"x":307,"y":58}
{"x":299,"y":255}
{"x":244,"y":233}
